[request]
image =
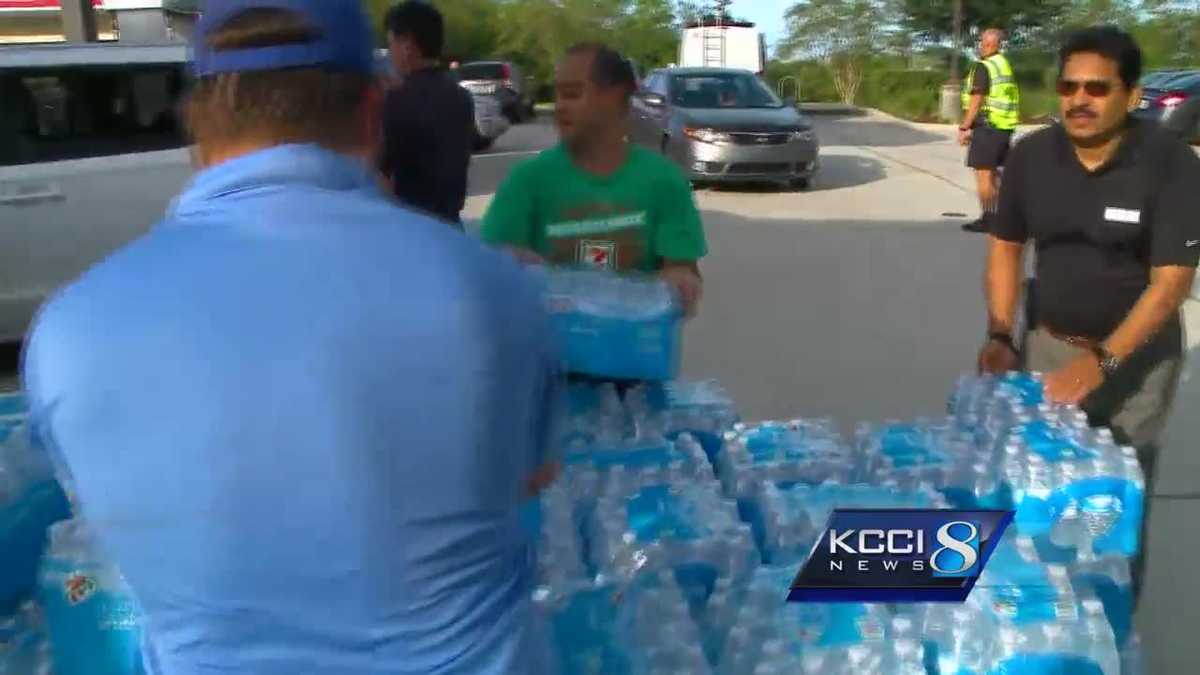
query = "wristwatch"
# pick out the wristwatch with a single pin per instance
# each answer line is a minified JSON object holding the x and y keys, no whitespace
{"x":1108,"y":362}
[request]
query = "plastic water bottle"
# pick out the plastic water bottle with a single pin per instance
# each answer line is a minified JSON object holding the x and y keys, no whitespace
{"x":1109,"y":580}
{"x":94,"y":624}
{"x":657,"y":632}
{"x":579,"y":620}
{"x":559,"y":550}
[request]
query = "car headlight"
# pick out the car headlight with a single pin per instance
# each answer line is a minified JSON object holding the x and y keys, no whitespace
{"x":804,"y":135}
{"x":707,"y":135}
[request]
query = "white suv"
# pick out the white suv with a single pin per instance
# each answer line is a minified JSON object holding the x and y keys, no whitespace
{"x":91,"y":154}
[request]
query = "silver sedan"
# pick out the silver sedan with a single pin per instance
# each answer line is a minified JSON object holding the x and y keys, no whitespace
{"x":724,"y":125}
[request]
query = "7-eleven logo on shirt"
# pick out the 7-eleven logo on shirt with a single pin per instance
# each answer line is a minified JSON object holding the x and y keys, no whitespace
{"x":598,"y":254}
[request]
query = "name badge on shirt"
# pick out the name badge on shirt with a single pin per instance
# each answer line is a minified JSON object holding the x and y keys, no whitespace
{"x":1115,"y":215}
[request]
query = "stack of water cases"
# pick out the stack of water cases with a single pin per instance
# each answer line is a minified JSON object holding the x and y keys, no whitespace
{"x":618,"y":326}
{"x":1078,"y":495}
{"x":670,"y":541}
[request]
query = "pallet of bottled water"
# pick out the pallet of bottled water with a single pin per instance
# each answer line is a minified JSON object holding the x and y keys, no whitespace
{"x":669,"y":542}
{"x":617,"y":326}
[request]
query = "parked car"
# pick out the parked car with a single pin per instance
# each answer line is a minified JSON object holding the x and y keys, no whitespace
{"x":504,"y":80}
{"x":91,"y":154}
{"x":490,"y":121}
{"x":724,"y":125}
{"x":1173,"y":101}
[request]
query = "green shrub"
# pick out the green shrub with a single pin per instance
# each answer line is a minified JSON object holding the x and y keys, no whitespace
{"x":1038,"y":104}
{"x":814,"y":79}
{"x":910,"y":94}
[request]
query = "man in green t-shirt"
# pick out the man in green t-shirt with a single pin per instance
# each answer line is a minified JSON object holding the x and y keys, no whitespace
{"x":595,"y":199}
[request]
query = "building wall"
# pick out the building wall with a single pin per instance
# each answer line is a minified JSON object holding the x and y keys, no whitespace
{"x":128,"y":25}
{"x":46,"y":26}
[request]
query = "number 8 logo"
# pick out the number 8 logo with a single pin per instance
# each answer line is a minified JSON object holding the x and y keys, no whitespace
{"x":963,"y":547}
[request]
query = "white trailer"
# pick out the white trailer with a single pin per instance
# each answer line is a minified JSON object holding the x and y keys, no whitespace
{"x":723,"y":44}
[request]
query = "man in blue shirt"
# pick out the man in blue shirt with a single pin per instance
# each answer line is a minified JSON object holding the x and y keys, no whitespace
{"x":301,"y":419}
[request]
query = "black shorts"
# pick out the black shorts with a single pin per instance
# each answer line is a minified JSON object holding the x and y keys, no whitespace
{"x":989,"y":147}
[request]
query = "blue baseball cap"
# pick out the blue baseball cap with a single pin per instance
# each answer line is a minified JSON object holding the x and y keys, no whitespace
{"x":344,"y":38}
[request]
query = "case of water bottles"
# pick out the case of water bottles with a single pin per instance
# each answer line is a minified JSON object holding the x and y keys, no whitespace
{"x":616,"y":326}
{"x":797,"y":451}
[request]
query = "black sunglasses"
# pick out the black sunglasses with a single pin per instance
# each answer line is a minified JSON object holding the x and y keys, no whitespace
{"x":1093,"y":88}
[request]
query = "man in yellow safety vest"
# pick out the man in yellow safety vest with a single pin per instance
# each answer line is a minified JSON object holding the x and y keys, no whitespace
{"x":991,"y":105}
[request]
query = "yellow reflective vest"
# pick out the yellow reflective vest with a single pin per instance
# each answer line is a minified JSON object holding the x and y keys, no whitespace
{"x":1003,"y":102}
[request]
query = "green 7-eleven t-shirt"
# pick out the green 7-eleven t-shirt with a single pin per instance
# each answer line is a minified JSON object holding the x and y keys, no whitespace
{"x":632,"y":219}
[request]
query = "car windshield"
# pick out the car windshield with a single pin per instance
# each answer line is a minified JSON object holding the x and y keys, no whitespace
{"x":722,"y":90}
{"x":482,"y":71}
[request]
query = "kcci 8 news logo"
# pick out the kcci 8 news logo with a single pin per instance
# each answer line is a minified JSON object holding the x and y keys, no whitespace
{"x":899,"y":555}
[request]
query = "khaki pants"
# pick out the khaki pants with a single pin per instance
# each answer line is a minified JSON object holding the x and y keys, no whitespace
{"x":1134,"y":403}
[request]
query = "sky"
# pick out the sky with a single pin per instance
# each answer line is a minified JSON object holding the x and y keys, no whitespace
{"x":768,"y":14}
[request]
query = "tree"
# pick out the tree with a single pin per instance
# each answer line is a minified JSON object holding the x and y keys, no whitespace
{"x":690,"y":11}
{"x":842,"y":34}
{"x":933,"y":20}
{"x":538,"y":32}
{"x":470,"y":26}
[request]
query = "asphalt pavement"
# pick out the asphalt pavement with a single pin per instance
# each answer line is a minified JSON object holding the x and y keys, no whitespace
{"x":860,"y":299}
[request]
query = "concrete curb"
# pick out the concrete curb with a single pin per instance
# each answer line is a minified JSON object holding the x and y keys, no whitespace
{"x":832,"y":109}
{"x":945,"y":129}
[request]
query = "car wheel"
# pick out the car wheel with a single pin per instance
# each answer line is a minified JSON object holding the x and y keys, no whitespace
{"x":483,"y":143}
{"x":799,"y":184}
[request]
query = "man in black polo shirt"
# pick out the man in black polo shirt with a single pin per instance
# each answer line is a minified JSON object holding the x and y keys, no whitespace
{"x":429,"y":120}
{"x":1112,"y":207}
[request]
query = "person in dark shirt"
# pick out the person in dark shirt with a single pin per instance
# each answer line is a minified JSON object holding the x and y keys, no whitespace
{"x":428,"y":120}
{"x":1110,"y":205}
